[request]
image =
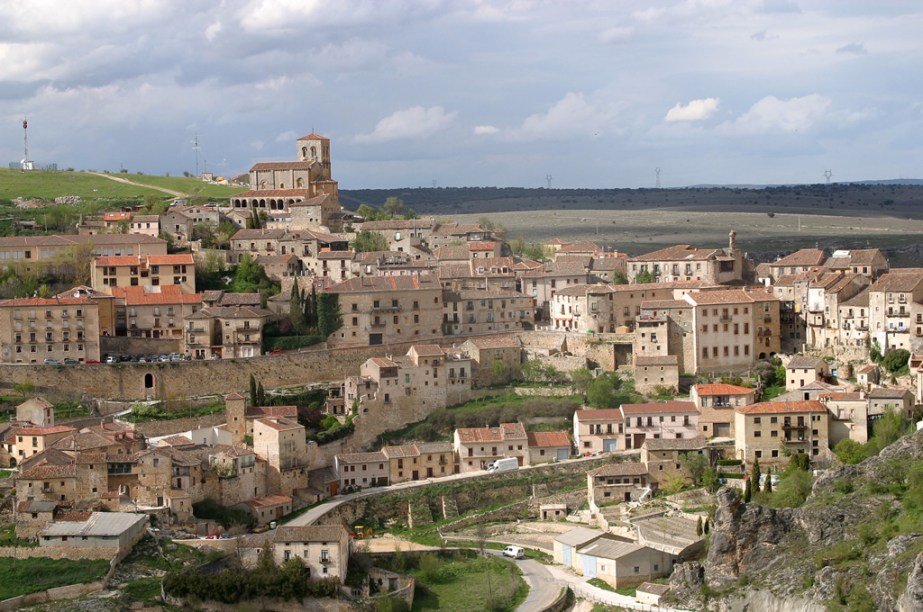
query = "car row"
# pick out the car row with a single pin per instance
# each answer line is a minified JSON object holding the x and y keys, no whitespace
{"x":67,"y":361}
{"x":165,"y":358}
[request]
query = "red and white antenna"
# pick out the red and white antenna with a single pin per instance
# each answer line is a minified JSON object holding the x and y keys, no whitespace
{"x":26,"y":163}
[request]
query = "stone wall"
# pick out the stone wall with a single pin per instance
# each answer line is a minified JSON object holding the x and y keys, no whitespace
{"x":153,"y":429}
{"x":65,"y":592}
{"x":55,"y":552}
{"x":123,"y":345}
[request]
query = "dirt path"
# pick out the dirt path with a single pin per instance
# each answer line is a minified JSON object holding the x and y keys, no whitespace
{"x":119,"y":179}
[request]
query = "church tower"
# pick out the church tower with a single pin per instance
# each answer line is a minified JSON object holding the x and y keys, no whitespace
{"x":314,"y":147}
{"x":235,"y":406}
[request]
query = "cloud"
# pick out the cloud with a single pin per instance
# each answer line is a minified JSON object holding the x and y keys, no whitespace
{"x":414,"y":122}
{"x":772,"y":114}
{"x":287,"y":137}
{"x":615,"y":35}
{"x":485,"y":130}
{"x":648,"y":15}
{"x":696,"y":110}
{"x":212,"y":31}
{"x":572,"y":115}
{"x":763,"y":35}
{"x":854,"y":48}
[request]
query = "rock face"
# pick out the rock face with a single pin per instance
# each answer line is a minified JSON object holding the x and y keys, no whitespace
{"x":847,"y":546}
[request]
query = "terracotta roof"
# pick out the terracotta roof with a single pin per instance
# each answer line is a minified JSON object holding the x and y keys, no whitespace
{"x":138,"y":295}
{"x":730,"y":296}
{"x":47,"y":470}
{"x":256,"y":412}
{"x":679,"y":252}
{"x":506,"y":431}
{"x":278,"y":423}
{"x":37,"y":301}
{"x":602,"y":414}
{"x":548,"y":439}
{"x":386,"y":283}
{"x":882,"y":393}
{"x":270,"y":500}
{"x":782,"y":407}
{"x":583,"y":290}
{"x":372,"y":457}
{"x":708,"y":389}
{"x":75,"y":239}
{"x":428,"y":350}
{"x":658,"y":407}
{"x":43,"y":431}
{"x":802,"y":257}
{"x":289,"y":165}
{"x":313,"y":136}
{"x":805,"y":362}
{"x":897,"y":281}
{"x":310,"y":533}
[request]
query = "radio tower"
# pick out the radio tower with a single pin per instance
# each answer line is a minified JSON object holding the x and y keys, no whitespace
{"x":548,"y":178}
{"x":195,"y":145}
{"x":827,"y":175}
{"x":657,"y":172}
{"x":26,"y":163}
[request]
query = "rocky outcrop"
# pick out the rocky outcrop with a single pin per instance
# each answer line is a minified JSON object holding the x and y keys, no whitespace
{"x":847,"y":547}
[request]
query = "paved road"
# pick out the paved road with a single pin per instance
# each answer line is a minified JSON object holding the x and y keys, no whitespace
{"x":543,"y":588}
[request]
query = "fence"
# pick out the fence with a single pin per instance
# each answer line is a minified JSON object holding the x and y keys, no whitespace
{"x":591,"y":593}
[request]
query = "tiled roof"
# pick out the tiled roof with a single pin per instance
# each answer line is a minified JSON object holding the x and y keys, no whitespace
{"x":313,"y":136}
{"x":897,"y":281}
{"x":662,"y":444}
{"x":310,"y":533}
{"x":805,"y":362}
{"x":730,"y":296}
{"x":362,"y":457}
{"x":428,"y":350}
{"x":289,"y":165}
{"x":256,"y":412}
{"x":708,"y":389}
{"x":548,"y":439}
{"x":583,"y":290}
{"x":659,"y":407}
{"x":802,"y":257}
{"x":278,"y":423}
{"x":627,"y":468}
{"x":43,"y":431}
{"x":46,"y":470}
{"x":882,"y":393}
{"x":260,"y":234}
{"x":601,"y":414}
{"x":386,"y":283}
{"x":506,"y":431}
{"x":270,"y":500}
{"x":138,"y":295}
{"x":656,"y":360}
{"x":783,"y":407}
{"x":37,"y":301}
{"x":679,"y":252}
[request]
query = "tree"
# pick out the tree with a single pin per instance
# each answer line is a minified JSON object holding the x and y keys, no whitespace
{"x":748,"y":490}
{"x":895,"y":360}
{"x":296,"y":310}
{"x":581,"y":377}
{"x":849,"y":451}
{"x":698,"y":526}
{"x":756,"y":474}
{"x":253,"y":396}
{"x":601,"y":392}
{"x":329,"y":318}
{"x":696,"y":465}
{"x":393,"y":207}
{"x":769,"y":481}
{"x":875,"y":351}
{"x":793,"y":489}
{"x":250,"y":276}
{"x":24,"y":388}
{"x":644,"y":277}
{"x":710,"y":480}
{"x":619,"y":278}
{"x":367,"y":241}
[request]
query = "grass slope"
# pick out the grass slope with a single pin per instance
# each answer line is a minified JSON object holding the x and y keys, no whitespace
{"x":23,"y":576}
{"x":49,"y":185}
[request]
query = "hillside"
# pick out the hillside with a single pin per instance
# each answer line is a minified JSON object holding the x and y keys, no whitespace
{"x":856,"y":544}
{"x":50,"y":185}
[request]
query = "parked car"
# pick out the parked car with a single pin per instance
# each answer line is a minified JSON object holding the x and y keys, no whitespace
{"x":70,"y":361}
{"x":50,"y":361}
{"x":514,"y":552}
{"x":112,"y":359}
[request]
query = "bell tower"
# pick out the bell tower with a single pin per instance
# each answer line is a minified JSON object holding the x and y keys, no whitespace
{"x":314,"y":147}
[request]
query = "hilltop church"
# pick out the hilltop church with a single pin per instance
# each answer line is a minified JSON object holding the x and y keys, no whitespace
{"x":302,"y":189}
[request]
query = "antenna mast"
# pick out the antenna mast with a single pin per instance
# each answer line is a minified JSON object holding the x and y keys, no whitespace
{"x":548,"y":178}
{"x":26,"y":164}
{"x":657,"y":172}
{"x":195,"y":146}
{"x":827,"y":175}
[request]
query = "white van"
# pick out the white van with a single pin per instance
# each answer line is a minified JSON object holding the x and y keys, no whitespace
{"x":504,"y":465}
{"x":514,"y":552}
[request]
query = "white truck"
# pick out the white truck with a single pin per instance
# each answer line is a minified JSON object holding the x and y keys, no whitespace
{"x":503,"y":465}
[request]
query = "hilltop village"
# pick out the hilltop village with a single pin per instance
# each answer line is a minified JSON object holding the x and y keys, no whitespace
{"x":301,"y":364}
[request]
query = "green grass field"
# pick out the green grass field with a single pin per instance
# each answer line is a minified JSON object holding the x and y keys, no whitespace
{"x":23,"y":576}
{"x":49,"y":185}
{"x":470,"y":584}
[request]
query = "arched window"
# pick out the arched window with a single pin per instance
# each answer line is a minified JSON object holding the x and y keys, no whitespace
{"x":148,"y":381}
{"x":313,"y":152}
{"x":304,"y":152}
{"x":299,"y":183}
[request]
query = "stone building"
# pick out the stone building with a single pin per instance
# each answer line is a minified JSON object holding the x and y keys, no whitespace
{"x":598,"y":430}
{"x":153,"y":312}
{"x":225,"y":332}
{"x":476,"y":311}
{"x":420,"y":460}
{"x":896,"y":309}
{"x":35,"y":329}
{"x":495,"y":359}
{"x":322,"y":549}
{"x":616,"y":483}
{"x":716,"y":403}
{"x":281,"y":443}
{"x":478,"y":447}
{"x":109,"y":272}
{"x":37,"y":253}
{"x":685,"y":263}
{"x":548,"y":446}
{"x":666,"y":458}
{"x":770,"y":431}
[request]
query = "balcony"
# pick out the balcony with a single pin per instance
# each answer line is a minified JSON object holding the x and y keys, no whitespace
{"x":724,"y":319}
{"x":378,"y":325}
{"x":897,"y":313}
{"x":795,"y":426}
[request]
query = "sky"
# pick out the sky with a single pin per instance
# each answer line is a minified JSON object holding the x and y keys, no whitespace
{"x":455,"y":93}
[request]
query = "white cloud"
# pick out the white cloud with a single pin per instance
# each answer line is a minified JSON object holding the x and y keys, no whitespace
{"x":570,"y":116}
{"x":414,"y":122}
{"x":615,"y":35}
{"x":485,"y":130}
{"x":212,"y":31}
{"x":855,"y":48}
{"x":287,"y":137}
{"x":772,"y":114}
{"x":648,"y":15}
{"x":696,"y":110}
{"x":763,"y":35}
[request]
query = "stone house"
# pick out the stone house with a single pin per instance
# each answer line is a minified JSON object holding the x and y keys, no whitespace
{"x":379,"y":309}
{"x":665,"y":457}
{"x":32,"y":516}
{"x":420,"y":460}
{"x":32,"y":253}
{"x":478,"y":447}
{"x":882,"y":400}
{"x":802,"y":370}
{"x":716,"y":403}
{"x":896,"y":309}
{"x":153,"y":312}
{"x":34,"y":329}
{"x":672,"y":419}
{"x":264,"y":510}
{"x":769,"y":431}
{"x":870,"y":263}
{"x":656,"y":371}
{"x":598,"y":430}
{"x":543,"y":282}
{"x":446,"y":234}
{"x":225,"y":332}
{"x":36,"y":411}
{"x":547,"y":446}
{"x":478,"y":311}
{"x":234,"y":474}
{"x":116,"y":532}
{"x":403,"y":235}
{"x":322,"y":549}
{"x":684,"y":263}
{"x":109,"y":272}
{"x":495,"y":359}
{"x":616,"y":483}
{"x":178,"y":223}
{"x":584,"y":308}
{"x":801,"y":260}
{"x":362,"y":470}
{"x":849,"y":416}
{"x":281,"y":443}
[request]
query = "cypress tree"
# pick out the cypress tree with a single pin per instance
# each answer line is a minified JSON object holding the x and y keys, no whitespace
{"x":253,"y":397}
{"x":757,"y":474}
{"x":698,"y":526}
{"x":261,"y":394}
{"x":748,"y":490}
{"x":769,"y":481}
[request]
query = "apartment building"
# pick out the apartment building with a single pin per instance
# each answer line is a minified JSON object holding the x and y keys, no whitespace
{"x":734,"y":328}
{"x":854,"y":320}
{"x":685,"y":263}
{"x":35,"y":329}
{"x":225,"y":332}
{"x":322,"y":549}
{"x":542,"y":282}
{"x":381,"y":309}
{"x":33,"y":253}
{"x":106,"y":273}
{"x":870,"y":263}
{"x":153,"y":311}
{"x":361,"y":470}
{"x":420,"y":460}
{"x":896,"y":309}
{"x":584,"y":308}
{"x":476,"y":311}
{"x":801,"y":260}
{"x":672,"y":419}
{"x":770,"y":431}
{"x":490,"y":273}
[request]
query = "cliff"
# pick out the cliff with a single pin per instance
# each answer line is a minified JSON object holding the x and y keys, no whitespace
{"x":856,"y":544}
